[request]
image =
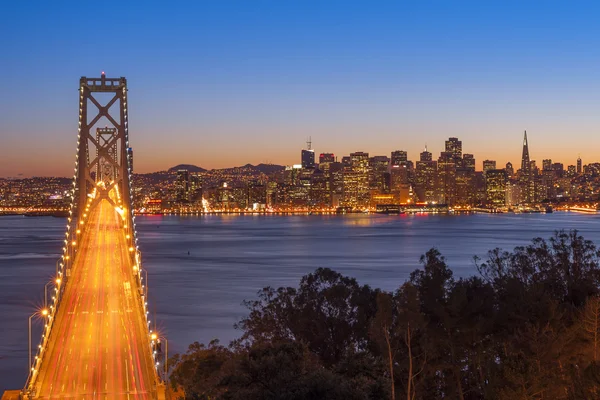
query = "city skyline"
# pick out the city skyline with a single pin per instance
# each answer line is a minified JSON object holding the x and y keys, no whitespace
{"x":352,"y":76}
{"x":297,"y":159}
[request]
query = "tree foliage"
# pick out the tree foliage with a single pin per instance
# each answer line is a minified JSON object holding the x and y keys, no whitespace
{"x":526,"y":327}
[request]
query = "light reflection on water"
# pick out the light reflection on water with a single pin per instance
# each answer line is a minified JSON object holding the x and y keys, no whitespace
{"x":197,"y":297}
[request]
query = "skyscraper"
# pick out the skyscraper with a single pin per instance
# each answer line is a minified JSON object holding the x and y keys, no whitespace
{"x":426,"y":177}
{"x":308,"y":156}
{"x":495,"y":187}
{"x":425,"y":155}
{"x":469,"y":162}
{"x":466,"y":193}
{"x":356,"y":181}
{"x":399,"y":157}
{"x":510,"y":171}
{"x":488,"y":164}
{"x":579,"y":170}
{"x":182,"y":185}
{"x":308,"y":159}
{"x":446,"y":178}
{"x":454,"y":146}
{"x":546,"y":164}
{"x":326,"y":158}
{"x":525,"y":179}
{"x":378,"y":165}
{"x":525,"y":164}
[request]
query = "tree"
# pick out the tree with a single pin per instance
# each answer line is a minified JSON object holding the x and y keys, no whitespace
{"x":411,"y":329}
{"x":329,"y":312}
{"x":382,"y":331}
{"x":199,"y":371}
{"x":286,"y":370}
{"x":590,"y":323}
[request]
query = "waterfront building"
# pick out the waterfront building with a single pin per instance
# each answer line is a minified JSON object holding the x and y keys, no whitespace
{"x":546,"y":185}
{"x":291,"y":175}
{"x":195,"y":190}
{"x":480,"y":195}
{"x":257,"y":196}
{"x":426,"y":177}
{"x":446,"y":178}
{"x":182,"y":186}
{"x":513,"y":194}
{"x":465,"y":187}
{"x":495,"y":181}
{"x":273,"y":190}
{"x":336,"y":178}
{"x":356,"y":181}
{"x":399,"y":177}
{"x":320,"y":190}
{"x":378,"y":165}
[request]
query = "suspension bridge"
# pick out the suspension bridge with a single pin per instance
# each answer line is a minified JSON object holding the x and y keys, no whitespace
{"x":97,"y":341}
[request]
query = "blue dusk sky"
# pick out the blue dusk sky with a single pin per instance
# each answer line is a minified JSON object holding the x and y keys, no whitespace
{"x":223,"y":83}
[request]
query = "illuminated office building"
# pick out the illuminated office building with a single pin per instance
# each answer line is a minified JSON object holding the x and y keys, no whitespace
{"x":454,"y":147}
{"x":326,"y":158}
{"x":488,"y":164}
{"x":425,"y":178}
{"x":356,"y":181}
{"x":495,"y":187}
{"x":399,"y":157}
{"x":446,"y":178}
{"x":378,"y":165}
{"x":469,"y":162}
{"x":308,"y":159}
{"x":510,"y":171}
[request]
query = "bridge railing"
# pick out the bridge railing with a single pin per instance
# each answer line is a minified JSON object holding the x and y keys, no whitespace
{"x":74,"y":231}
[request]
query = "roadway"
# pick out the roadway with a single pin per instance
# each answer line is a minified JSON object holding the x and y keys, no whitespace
{"x":99,"y":345}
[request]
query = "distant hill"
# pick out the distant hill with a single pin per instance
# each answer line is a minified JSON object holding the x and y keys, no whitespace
{"x":269,"y":168}
{"x":189,"y":167}
{"x":244,"y":169}
{"x":250,"y":169}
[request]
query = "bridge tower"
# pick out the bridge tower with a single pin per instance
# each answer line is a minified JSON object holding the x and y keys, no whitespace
{"x":109,"y":145}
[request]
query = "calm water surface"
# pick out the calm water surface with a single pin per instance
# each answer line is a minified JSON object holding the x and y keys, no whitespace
{"x":197,"y":297}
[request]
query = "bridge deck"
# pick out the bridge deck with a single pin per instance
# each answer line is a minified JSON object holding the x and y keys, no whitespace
{"x":99,"y":342}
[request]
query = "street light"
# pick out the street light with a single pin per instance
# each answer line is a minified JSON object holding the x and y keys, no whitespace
{"x":46,"y":294}
{"x":154,"y":336}
{"x":44,"y":313}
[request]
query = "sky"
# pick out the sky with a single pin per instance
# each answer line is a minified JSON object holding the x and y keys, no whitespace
{"x":224,"y":83}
